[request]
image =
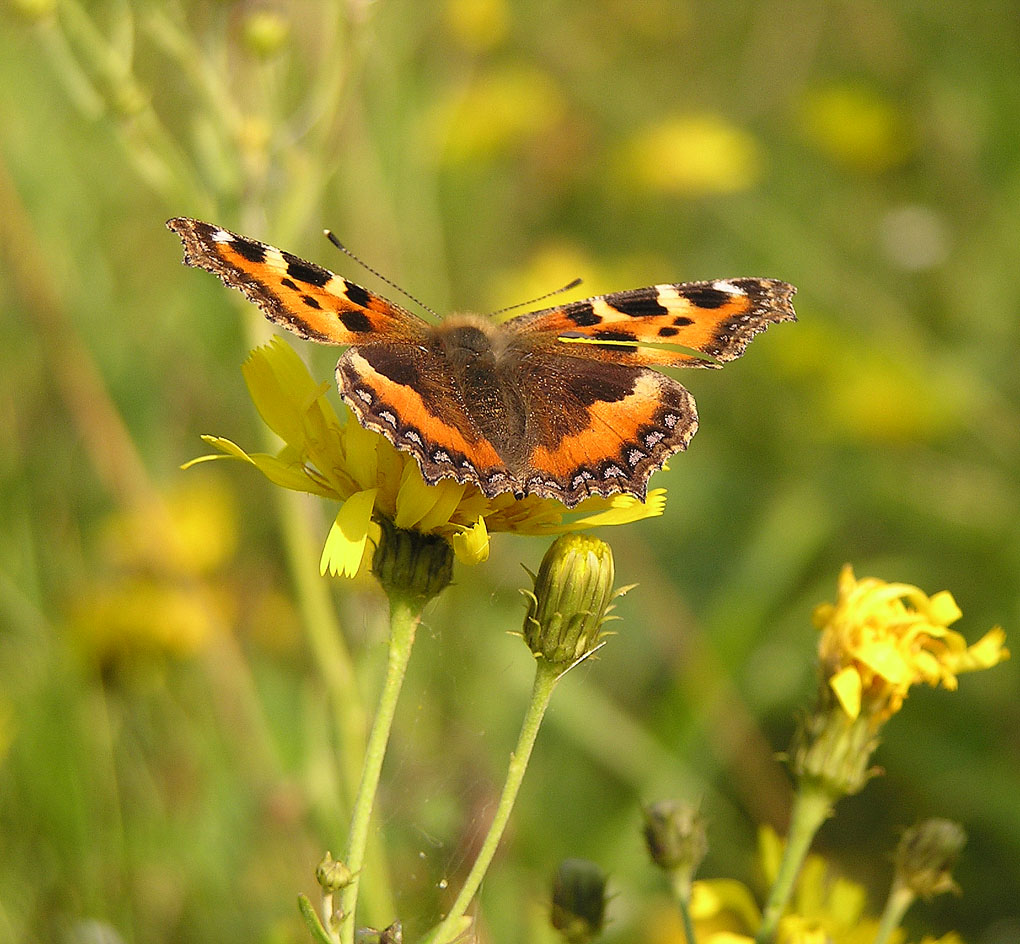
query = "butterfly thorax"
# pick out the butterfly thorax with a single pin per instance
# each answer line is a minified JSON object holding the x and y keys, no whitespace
{"x":484,"y":369}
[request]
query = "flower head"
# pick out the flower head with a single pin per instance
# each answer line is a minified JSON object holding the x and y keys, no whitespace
{"x":341,"y":461}
{"x":880,"y":638}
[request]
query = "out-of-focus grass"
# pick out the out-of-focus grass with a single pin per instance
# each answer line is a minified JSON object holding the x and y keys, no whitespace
{"x":169,"y":771}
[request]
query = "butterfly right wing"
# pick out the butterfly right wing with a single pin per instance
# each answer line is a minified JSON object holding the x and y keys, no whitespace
{"x":303,"y":297}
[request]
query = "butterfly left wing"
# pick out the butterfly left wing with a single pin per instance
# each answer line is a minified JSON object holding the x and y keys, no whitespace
{"x":690,"y":324}
{"x":303,"y":297}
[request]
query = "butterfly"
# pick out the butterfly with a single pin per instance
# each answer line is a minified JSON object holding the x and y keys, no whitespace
{"x":560,"y":403}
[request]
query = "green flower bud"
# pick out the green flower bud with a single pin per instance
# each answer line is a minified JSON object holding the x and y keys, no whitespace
{"x":570,"y":602}
{"x":332,"y":875}
{"x":579,"y":900}
{"x":410,"y":564}
{"x":926,"y":854}
{"x":677,"y":840}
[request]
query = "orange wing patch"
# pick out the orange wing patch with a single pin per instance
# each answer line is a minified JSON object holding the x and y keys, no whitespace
{"x":624,"y":442}
{"x":446,"y":444}
{"x":650,"y":326}
{"x":304,"y":297}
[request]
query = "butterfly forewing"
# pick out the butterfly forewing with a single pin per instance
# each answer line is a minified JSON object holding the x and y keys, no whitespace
{"x":689,"y":324}
{"x":304,"y":297}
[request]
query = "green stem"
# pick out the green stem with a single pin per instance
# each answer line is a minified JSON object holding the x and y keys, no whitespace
{"x":404,"y":617}
{"x":900,"y":899}
{"x":810,"y":809}
{"x":546,"y":677}
{"x":682,"y":893}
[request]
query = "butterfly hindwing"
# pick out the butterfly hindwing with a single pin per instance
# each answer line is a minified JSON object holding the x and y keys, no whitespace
{"x":665,"y":325}
{"x":304,"y":297}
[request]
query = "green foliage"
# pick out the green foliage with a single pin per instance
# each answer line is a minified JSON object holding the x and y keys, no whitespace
{"x":169,"y":768}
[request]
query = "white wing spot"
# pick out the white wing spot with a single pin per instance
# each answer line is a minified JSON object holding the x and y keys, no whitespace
{"x":655,"y":437}
{"x":634,"y":456}
{"x":388,"y":417}
{"x":362,"y":394}
{"x":613,"y":472}
{"x":413,"y":436}
{"x":725,"y":285}
{"x":440,"y":456}
{"x":222,"y":236}
{"x":670,"y":420}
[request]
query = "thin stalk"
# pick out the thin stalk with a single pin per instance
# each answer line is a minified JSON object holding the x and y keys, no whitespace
{"x":811,"y":808}
{"x":404,"y":617}
{"x":682,"y":892}
{"x":900,"y":899}
{"x":546,"y":677}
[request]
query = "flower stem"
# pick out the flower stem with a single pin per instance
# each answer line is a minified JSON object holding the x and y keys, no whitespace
{"x":900,"y":899}
{"x":405,"y":614}
{"x":682,"y":893}
{"x":546,"y":677}
{"x":810,"y":809}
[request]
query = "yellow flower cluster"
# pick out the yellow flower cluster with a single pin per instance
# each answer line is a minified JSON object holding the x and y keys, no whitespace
{"x":880,"y":638}
{"x":343,"y":462}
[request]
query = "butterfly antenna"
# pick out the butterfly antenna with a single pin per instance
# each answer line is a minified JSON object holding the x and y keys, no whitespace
{"x":531,"y":301}
{"x":339,"y":245}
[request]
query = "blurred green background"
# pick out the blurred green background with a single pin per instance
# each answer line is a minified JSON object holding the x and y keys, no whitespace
{"x":167,"y":770}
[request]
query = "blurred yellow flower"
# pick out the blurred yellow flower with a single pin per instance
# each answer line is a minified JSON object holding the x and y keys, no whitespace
{"x":857,"y":127}
{"x":362,"y":470}
{"x":879,"y":638}
{"x":477,"y":24}
{"x":158,"y":599}
{"x":505,"y":109}
{"x":692,"y":155}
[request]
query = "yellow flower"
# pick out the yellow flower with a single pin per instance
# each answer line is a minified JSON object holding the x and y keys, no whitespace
{"x":880,"y":638}
{"x":343,"y":462}
{"x":693,"y":155}
{"x":857,"y":126}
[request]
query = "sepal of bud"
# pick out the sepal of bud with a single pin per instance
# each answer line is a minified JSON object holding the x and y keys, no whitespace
{"x":410,"y":564}
{"x":571,"y":599}
{"x":832,"y":750}
{"x":579,"y":900}
{"x":926,"y":855}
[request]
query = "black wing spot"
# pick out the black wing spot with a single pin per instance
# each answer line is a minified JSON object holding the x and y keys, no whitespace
{"x":307,"y":272}
{"x":289,"y":283}
{"x":668,"y":332}
{"x":357,"y":295}
{"x":248,"y":249}
{"x":583,"y":315}
{"x":310,"y":302}
{"x":356,"y":321}
{"x":682,"y":321}
{"x":707,"y":297}
{"x":640,"y":304}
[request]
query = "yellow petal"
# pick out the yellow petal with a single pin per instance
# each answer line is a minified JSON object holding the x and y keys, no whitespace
{"x":942,"y":609}
{"x":345,"y":543}
{"x":360,"y":453}
{"x":287,"y":474}
{"x":724,"y":895}
{"x":280,"y":387}
{"x":985,"y":653}
{"x":425,"y":507}
{"x":847,"y":686}
{"x":623,"y":510}
{"x":472,"y":544}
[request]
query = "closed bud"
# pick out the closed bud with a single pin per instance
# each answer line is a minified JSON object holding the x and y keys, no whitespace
{"x":579,"y":900}
{"x":926,"y":855}
{"x":410,"y":564}
{"x":332,"y":875}
{"x":571,"y":599}
{"x":677,"y":840}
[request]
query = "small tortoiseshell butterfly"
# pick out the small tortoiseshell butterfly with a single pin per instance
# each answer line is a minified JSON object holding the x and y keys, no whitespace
{"x":558,"y":403}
